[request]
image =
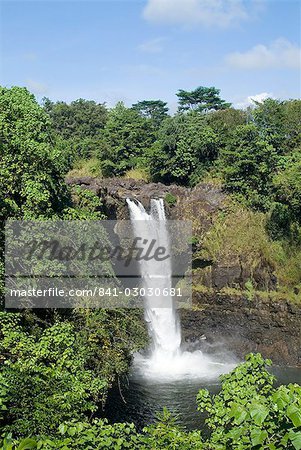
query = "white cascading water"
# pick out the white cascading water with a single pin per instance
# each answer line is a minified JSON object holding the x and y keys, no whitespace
{"x":163,"y":323}
{"x":166,"y":359}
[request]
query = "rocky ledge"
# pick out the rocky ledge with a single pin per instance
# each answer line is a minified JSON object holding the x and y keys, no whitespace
{"x":238,"y":323}
{"x":204,"y":199}
{"x":271,"y":327}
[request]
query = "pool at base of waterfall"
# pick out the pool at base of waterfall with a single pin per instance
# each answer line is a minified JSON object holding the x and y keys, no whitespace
{"x":141,"y":398}
{"x":168,"y":375}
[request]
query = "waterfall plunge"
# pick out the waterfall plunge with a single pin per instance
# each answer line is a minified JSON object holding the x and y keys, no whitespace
{"x":166,"y":360}
{"x":162,"y":321}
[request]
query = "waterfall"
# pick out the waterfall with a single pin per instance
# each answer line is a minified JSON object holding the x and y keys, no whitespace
{"x":162,"y":321}
{"x":166,"y":358}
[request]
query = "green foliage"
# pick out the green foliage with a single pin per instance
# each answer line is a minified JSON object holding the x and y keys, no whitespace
{"x":86,"y":168}
{"x":165,"y":434}
{"x":77,"y":127}
{"x":185,"y":144}
{"x":57,"y":367}
{"x":170,"y":199}
{"x":62,"y":371}
{"x":126,"y":138}
{"x":250,"y":291}
{"x":86,"y":206}
{"x":249,"y":164}
{"x":137,"y":174}
{"x":202,"y":99}
{"x":279,"y":221}
{"x":79,"y":120}
{"x":239,"y":237}
{"x":269,"y":118}
{"x":292,"y":120}
{"x":225,"y":121}
{"x":155,"y":110}
{"x":83,"y":436}
{"x":44,"y":379}
{"x":31,"y":183}
{"x":250,"y":412}
{"x":120,"y":436}
{"x":287,"y":183}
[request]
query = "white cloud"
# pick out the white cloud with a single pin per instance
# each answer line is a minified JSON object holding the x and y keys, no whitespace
{"x":152,"y":46}
{"x":222,"y":13}
{"x":281,"y":53}
{"x":251,"y":99}
{"x":36,"y":87}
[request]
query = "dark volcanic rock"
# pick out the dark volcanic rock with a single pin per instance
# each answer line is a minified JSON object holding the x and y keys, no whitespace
{"x":258,"y":325}
{"x":201,"y":201}
{"x":270,"y":327}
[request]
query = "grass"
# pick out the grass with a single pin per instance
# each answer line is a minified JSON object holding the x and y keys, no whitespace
{"x":137,"y":174}
{"x":86,"y":168}
{"x":239,"y":237}
{"x":282,"y":294}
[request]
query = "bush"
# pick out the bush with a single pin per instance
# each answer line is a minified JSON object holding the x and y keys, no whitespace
{"x":137,"y":174}
{"x":250,"y":413}
{"x":170,"y":199}
{"x":86,"y":168}
{"x":247,"y":413}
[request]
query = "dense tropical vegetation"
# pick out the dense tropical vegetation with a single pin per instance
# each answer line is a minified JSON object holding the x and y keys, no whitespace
{"x":253,"y":154}
{"x":57,"y":365}
{"x":249,"y":412}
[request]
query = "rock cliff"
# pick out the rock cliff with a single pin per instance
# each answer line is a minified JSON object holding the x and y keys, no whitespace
{"x":264,"y":324}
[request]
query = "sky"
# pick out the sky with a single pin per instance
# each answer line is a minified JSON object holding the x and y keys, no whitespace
{"x":131,"y":50}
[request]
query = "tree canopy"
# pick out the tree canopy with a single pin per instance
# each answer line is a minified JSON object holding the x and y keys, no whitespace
{"x":155,"y":110}
{"x":31,"y":182}
{"x":201,"y":99}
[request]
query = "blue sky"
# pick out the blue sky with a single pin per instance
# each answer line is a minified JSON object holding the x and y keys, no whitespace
{"x":132,"y":50}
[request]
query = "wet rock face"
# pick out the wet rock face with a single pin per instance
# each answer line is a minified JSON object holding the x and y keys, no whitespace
{"x":270,"y":327}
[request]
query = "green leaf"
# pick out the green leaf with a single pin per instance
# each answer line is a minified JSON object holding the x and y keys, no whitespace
{"x":259,"y":413}
{"x":281,"y":398}
{"x":63,"y":428}
{"x":238,"y":412}
{"x":294,"y":413}
{"x":258,"y":436}
{"x":295,"y":438}
{"x":27,"y":444}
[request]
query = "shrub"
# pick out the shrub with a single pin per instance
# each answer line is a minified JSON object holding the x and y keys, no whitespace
{"x":250,"y":413}
{"x":170,"y":199}
{"x":137,"y":174}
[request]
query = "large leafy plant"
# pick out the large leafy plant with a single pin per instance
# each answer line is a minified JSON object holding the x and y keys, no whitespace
{"x":249,"y":412}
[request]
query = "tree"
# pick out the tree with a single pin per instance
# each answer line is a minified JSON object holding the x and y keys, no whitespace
{"x":155,"y":110}
{"x":248,"y":164}
{"x":77,"y":127}
{"x":126,"y":138}
{"x":287,"y":184}
{"x":61,"y":371}
{"x":31,"y":183}
{"x":225,"y":121}
{"x":185,"y":144}
{"x":78,"y":120}
{"x":292,"y":121}
{"x":202,"y":99}
{"x":250,"y":413}
{"x":270,"y":119}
